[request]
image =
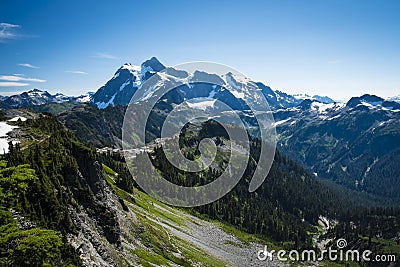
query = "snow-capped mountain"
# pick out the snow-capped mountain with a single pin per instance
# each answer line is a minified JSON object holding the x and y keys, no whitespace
{"x":84,"y":98}
{"x":345,"y":142}
{"x":372,"y":101}
{"x":126,"y":81}
{"x":323,"y":99}
{"x":38,"y":97}
{"x":394,"y":98}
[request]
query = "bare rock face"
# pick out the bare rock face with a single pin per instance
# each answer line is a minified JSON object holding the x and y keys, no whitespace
{"x":23,"y":223}
{"x":95,"y":216}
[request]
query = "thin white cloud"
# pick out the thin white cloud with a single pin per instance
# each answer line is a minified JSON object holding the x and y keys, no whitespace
{"x":336,"y":61}
{"x":9,"y":84}
{"x":9,"y":93}
{"x":27,"y":65}
{"x":14,"y":78}
{"x":7,"y":31}
{"x":104,"y":55}
{"x":76,"y":72}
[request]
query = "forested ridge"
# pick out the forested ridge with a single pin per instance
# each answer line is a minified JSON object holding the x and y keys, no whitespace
{"x":39,"y":183}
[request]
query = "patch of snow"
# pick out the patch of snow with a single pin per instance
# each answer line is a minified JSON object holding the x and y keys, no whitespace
{"x":138,"y":72}
{"x":394,"y":98}
{"x":124,"y":84}
{"x":202,"y":105}
{"x":213,"y":92}
{"x":17,"y":118}
{"x":334,"y":117}
{"x":387,"y":108}
{"x":83,"y":98}
{"x":115,"y":76}
{"x":236,"y":88}
{"x":35,"y":93}
{"x":366,"y":104}
{"x":102,"y":105}
{"x":377,"y":103}
{"x":147,"y":95}
{"x":280,"y":122}
{"x":131,"y":67}
{"x":302,"y":96}
{"x":237,"y":94}
{"x":248,"y":113}
{"x":4,"y":129}
{"x":323,"y":108}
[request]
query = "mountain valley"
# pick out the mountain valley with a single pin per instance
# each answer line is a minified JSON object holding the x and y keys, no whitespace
{"x":64,"y":179}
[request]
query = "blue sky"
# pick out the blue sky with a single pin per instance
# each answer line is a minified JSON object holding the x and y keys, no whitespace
{"x":335,"y":48}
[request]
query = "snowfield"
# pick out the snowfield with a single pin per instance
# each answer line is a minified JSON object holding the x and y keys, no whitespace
{"x":4,"y":130}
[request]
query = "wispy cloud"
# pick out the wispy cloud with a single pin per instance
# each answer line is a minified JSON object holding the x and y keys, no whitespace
{"x":9,"y":84}
{"x":8,"y":31}
{"x":19,"y":78}
{"x":27,"y":65}
{"x":336,"y":61}
{"x":76,"y":72}
{"x":104,"y":55}
{"x":8,"y":93}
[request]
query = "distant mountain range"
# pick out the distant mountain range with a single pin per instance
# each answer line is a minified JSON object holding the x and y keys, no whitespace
{"x":323,"y":99}
{"x":356,"y":144}
{"x":128,"y":78}
{"x":394,"y":98}
{"x":350,"y":143}
{"x":335,"y":164}
{"x":38,"y":97}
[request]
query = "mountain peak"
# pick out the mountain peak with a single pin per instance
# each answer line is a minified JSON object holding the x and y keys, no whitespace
{"x":306,"y":104}
{"x":322,"y":99}
{"x":153,"y":63}
{"x":371,"y":98}
{"x":35,"y":97}
{"x":366,"y":98}
{"x":36,"y":90}
{"x":130,"y":67}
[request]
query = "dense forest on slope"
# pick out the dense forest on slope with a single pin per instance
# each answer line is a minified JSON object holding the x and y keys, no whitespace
{"x":39,"y":183}
{"x":287,"y":207}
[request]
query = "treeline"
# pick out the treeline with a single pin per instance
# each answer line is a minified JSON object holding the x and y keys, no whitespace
{"x":116,"y":162}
